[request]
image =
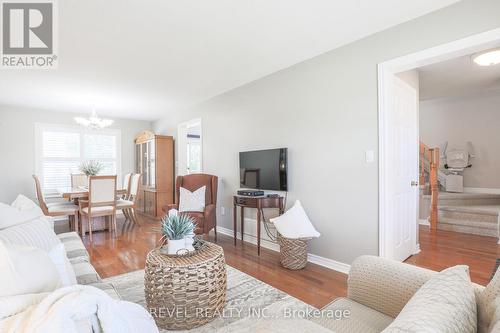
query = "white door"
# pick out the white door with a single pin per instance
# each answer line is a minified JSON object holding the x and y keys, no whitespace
{"x":402,"y":166}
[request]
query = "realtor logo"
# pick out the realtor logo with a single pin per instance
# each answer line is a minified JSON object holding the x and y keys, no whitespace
{"x":28,"y":34}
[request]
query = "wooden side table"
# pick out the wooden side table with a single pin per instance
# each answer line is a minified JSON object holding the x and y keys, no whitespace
{"x":258,"y":203}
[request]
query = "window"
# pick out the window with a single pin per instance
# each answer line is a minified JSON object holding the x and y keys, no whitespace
{"x":61,"y":149}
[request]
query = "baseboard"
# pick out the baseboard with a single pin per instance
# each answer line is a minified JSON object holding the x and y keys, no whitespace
{"x":482,"y":190}
{"x":312,"y":258}
{"x":424,"y":222}
{"x":417,"y":249}
{"x":329,"y":263}
{"x":249,"y":238}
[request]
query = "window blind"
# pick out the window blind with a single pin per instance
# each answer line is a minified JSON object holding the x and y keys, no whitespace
{"x":61,"y":150}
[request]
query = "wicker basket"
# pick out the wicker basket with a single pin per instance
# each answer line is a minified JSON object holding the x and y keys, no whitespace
{"x":183,"y":292}
{"x":293,"y":252}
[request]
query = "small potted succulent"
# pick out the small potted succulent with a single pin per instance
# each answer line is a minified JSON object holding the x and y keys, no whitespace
{"x":91,"y":167}
{"x":178,"y":231}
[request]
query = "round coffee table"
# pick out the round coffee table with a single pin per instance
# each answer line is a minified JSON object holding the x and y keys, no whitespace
{"x":185,"y":292}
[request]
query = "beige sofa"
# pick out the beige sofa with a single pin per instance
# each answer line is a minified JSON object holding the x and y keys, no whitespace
{"x":378,"y":289}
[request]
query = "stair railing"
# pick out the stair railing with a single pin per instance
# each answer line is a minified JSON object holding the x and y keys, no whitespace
{"x":431,"y":156}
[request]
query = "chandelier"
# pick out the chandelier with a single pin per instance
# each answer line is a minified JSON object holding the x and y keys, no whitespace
{"x":93,"y":121}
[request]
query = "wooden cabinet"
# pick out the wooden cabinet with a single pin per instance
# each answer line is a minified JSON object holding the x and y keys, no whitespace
{"x":154,"y":159}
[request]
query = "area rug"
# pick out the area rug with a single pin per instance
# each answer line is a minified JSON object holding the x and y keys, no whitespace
{"x":252,"y":305}
{"x":497,"y":264}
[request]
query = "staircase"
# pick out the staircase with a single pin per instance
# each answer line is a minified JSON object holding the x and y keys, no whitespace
{"x":472,"y":213}
{"x":469,"y":213}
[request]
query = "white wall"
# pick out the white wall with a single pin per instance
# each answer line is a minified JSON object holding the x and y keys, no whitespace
{"x":325,"y":111}
{"x":17,"y":146}
{"x":470,"y":118}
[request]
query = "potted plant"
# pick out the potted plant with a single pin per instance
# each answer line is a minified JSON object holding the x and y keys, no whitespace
{"x":178,"y":230}
{"x":91,"y":168}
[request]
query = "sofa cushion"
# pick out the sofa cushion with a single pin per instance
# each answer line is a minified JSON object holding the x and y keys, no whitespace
{"x":84,"y":271}
{"x":360,"y":319}
{"x":37,"y":233}
{"x":74,"y":245}
{"x":445,"y":303}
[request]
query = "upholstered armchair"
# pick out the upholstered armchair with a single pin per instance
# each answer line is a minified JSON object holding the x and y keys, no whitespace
{"x":207,"y":220}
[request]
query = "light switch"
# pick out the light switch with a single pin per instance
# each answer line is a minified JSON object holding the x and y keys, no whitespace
{"x":370,"y":156}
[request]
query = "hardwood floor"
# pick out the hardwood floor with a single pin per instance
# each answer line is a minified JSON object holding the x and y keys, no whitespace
{"x":315,"y":284}
{"x":447,"y":248}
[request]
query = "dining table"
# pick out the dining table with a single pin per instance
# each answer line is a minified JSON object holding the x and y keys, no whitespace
{"x":81,"y":192}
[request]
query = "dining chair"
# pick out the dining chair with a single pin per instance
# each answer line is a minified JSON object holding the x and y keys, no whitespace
{"x":57,"y":209}
{"x":128,"y":205}
{"x":126,"y":185}
{"x":79,"y":179}
{"x":101,"y":202}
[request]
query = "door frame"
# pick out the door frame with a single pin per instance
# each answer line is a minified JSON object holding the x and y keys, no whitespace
{"x":386,"y":71}
{"x":187,"y":124}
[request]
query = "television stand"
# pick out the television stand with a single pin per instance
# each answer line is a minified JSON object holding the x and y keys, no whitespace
{"x":258,"y":203}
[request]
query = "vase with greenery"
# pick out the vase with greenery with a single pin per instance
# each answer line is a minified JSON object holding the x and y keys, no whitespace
{"x":178,"y":231}
{"x":91,"y":168}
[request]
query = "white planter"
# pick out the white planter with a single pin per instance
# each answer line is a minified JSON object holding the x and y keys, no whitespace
{"x":180,"y":246}
{"x":189,"y":242}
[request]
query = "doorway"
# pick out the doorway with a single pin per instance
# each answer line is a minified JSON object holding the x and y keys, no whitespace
{"x":190,"y":147}
{"x":398,"y":143}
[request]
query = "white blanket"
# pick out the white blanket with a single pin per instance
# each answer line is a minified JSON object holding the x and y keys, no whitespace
{"x":61,"y":310}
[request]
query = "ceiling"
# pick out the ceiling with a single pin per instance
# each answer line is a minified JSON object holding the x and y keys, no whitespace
{"x":140,"y":59}
{"x":457,"y":77}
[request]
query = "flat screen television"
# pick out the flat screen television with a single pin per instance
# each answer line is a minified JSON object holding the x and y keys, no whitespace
{"x":264,"y":169}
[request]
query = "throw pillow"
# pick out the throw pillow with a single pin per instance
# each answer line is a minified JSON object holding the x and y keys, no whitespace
{"x":10,"y":216}
{"x":495,"y":322}
{"x":22,"y":210}
{"x":294,"y":223}
{"x":192,"y":201}
{"x":37,"y":233}
{"x":25,"y":204}
{"x":445,"y":303}
{"x":486,"y":305}
{"x":66,"y":273}
{"x":26,"y":270}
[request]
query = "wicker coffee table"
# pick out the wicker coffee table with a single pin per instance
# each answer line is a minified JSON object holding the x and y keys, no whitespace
{"x":185,"y":292}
